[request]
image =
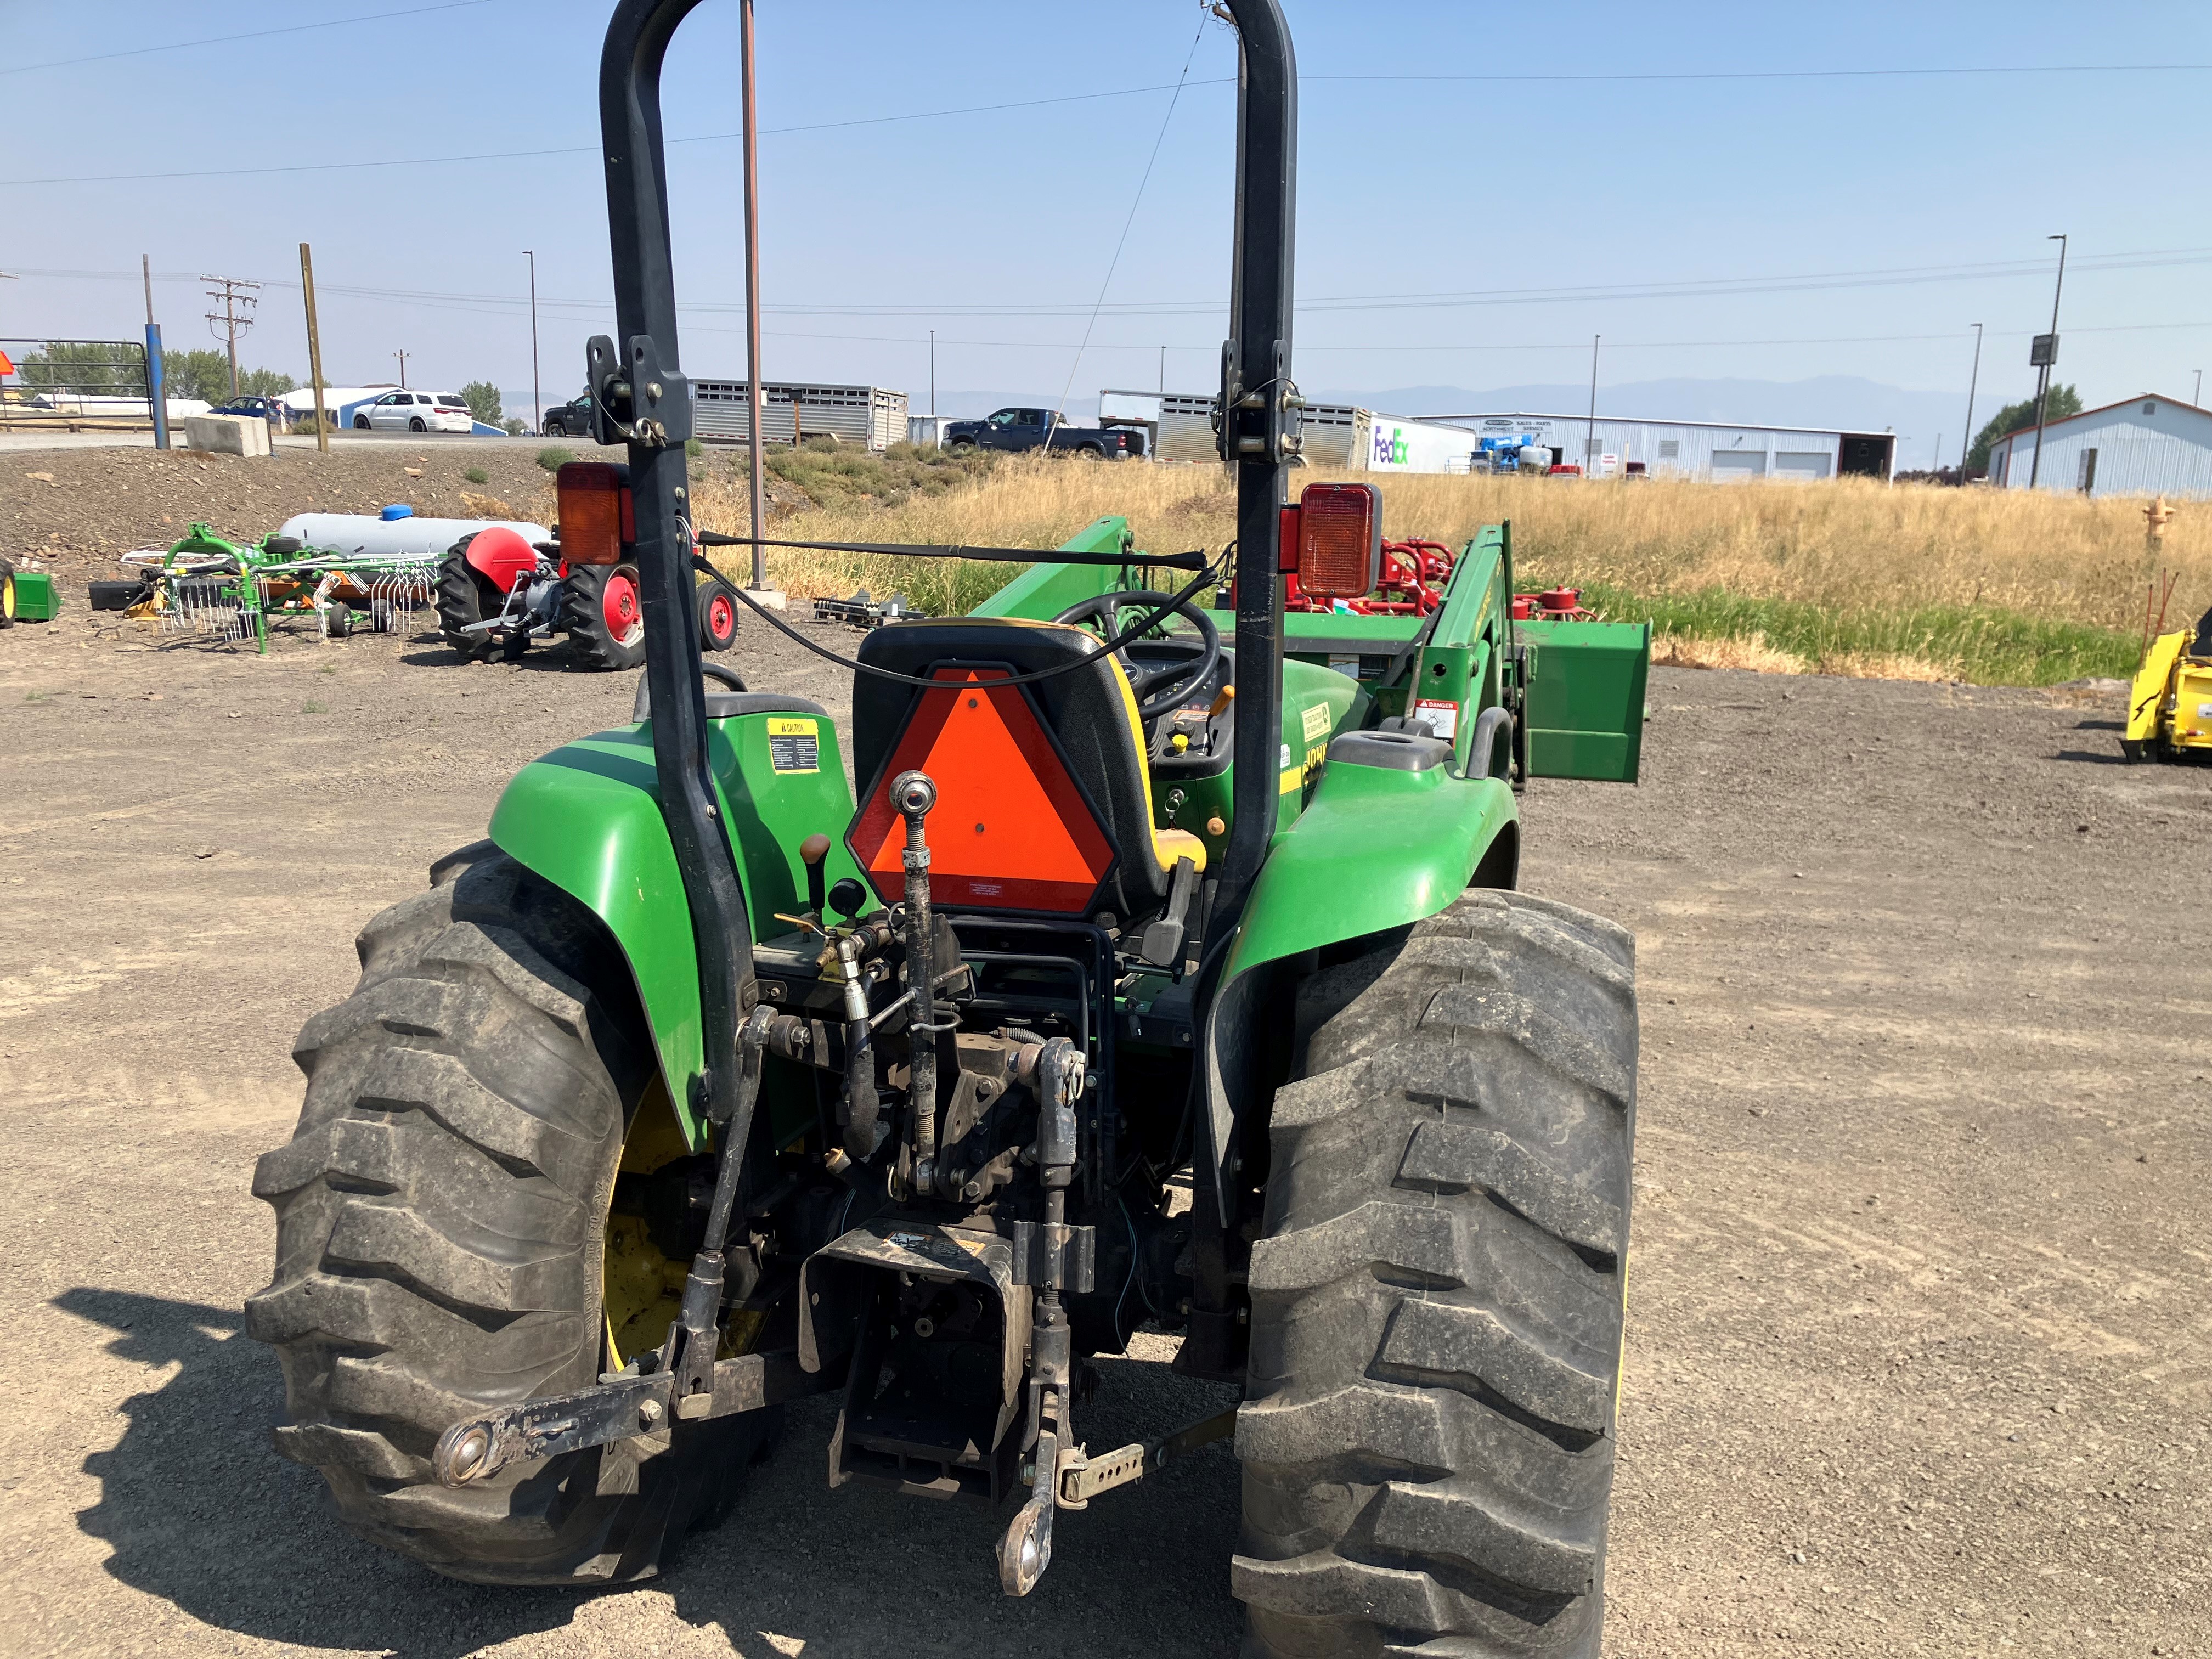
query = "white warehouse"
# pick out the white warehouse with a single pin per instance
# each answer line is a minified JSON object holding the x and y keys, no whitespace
{"x":1622,"y":447}
{"x":2146,"y":445}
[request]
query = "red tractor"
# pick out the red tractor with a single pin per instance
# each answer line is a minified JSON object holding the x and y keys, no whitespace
{"x":497,"y":593}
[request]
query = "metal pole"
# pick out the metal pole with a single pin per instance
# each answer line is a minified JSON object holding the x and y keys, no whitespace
{"x":2043,"y":387}
{"x":314,"y":351}
{"x":755,"y":398}
{"x":403,"y":370}
{"x":1589,"y":438}
{"x":2197,"y":396}
{"x":537,"y":398}
{"x":157,"y":393}
{"x":1973,"y":384}
{"x":933,"y":374}
{"x":1163,"y":371}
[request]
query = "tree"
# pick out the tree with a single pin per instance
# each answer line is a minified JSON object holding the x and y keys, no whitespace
{"x":482,"y":398}
{"x":202,"y":375}
{"x":265,"y":383}
{"x":2063,"y":400}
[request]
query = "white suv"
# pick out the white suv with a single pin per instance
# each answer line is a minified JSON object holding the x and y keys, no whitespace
{"x":415,"y":411}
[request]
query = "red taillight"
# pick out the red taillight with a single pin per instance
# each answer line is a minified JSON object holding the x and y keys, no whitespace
{"x":595,"y":511}
{"x":1339,"y":540}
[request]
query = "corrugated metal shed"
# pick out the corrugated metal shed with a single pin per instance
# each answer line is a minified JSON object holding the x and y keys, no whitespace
{"x":2147,"y":446}
{"x":1695,"y":449}
{"x":864,"y":415}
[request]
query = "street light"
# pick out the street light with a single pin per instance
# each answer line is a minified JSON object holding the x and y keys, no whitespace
{"x":2049,"y":355}
{"x":1973,"y":384}
{"x":536,"y":400}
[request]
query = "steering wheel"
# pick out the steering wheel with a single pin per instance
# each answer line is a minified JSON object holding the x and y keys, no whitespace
{"x":1159,"y":689}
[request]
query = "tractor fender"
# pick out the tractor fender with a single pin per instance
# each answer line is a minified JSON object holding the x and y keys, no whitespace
{"x":1375,"y":848}
{"x":587,"y":818}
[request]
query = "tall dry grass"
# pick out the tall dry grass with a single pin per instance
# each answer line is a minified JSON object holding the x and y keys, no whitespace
{"x":1897,"y":568}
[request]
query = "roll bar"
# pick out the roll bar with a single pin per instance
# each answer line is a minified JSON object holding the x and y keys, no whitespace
{"x":640,"y":398}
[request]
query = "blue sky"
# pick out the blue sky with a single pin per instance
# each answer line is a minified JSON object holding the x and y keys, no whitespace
{"x":1913,"y":205}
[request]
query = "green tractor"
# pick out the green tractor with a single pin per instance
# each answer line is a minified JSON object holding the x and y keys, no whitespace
{"x":1153,"y":975}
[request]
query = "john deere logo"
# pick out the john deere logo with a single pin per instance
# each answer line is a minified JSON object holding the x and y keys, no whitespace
{"x":1390,"y":447}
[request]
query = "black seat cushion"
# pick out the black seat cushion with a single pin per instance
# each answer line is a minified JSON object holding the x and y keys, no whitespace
{"x":1087,"y":711}
{"x":2202,"y":647}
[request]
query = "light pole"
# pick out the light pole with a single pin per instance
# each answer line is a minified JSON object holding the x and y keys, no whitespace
{"x":1973,"y":384}
{"x":2197,"y":396}
{"x":933,"y":374}
{"x":2050,"y":356}
{"x":754,"y":396}
{"x":1589,"y":438}
{"x":536,"y":399}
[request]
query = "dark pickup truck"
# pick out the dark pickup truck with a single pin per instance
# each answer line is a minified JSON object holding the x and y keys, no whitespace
{"x":570,"y":420}
{"x":1026,"y":428}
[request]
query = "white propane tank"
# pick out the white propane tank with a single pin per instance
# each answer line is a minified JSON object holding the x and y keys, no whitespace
{"x":368,"y":535}
{"x":1535,"y":457}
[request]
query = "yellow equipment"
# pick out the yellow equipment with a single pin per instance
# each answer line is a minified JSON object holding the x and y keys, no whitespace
{"x":2170,"y":706}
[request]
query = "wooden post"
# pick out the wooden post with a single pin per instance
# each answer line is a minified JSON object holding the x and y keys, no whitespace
{"x":314,"y":351}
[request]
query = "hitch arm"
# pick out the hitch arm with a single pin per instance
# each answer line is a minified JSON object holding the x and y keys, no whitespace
{"x":620,"y":1407}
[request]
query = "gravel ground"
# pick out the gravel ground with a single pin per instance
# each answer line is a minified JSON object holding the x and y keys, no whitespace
{"x":1917,"y":1362}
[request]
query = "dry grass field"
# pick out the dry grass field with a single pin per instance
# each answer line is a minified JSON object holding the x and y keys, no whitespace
{"x":1849,"y":576}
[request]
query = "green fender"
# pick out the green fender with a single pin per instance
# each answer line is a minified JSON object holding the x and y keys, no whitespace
{"x":1375,"y":848}
{"x":587,"y":818}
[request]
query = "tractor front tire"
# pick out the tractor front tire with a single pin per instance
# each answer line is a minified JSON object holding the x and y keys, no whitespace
{"x":7,"y":594}
{"x":1438,"y":1301}
{"x":442,"y":1214}
{"x":465,"y":596}
{"x":599,"y":608}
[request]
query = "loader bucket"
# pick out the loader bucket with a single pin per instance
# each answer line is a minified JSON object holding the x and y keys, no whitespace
{"x":1585,"y":709}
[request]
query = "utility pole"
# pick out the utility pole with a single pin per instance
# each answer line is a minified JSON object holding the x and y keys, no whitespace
{"x":1590,"y":439}
{"x":933,"y":374}
{"x":754,"y":395}
{"x":1163,"y":371}
{"x":1936,"y":466}
{"x":2046,"y":351}
{"x":1973,"y":385}
{"x":2197,"y":396}
{"x":231,"y":293}
{"x":157,"y":395}
{"x":402,"y":356}
{"x":314,"y":351}
{"x":537,"y":398}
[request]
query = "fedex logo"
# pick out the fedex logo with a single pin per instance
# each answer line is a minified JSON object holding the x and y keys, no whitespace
{"x":1390,"y":448}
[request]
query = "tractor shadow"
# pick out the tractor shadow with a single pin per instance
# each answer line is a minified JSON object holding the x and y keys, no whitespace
{"x":198,"y":1509}
{"x":2092,"y":757}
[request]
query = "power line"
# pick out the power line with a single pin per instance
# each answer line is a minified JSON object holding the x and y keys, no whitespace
{"x":1135,"y":202}
{"x":592,"y":149}
{"x":227,"y":39}
{"x":1594,"y":79}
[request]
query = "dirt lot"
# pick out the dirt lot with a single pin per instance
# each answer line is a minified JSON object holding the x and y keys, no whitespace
{"x":1918,"y":1361}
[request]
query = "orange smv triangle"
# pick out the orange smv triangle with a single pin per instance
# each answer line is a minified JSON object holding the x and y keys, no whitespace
{"x":1011,"y":830}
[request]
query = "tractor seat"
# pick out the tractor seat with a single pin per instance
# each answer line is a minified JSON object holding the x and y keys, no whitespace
{"x":1044,"y":802}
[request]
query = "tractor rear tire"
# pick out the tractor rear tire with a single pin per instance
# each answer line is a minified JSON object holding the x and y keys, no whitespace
{"x":1438,"y":1300}
{"x":599,"y":609}
{"x":442,"y":1214}
{"x":464,"y":596}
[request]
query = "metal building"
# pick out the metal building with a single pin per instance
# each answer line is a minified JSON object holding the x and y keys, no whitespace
{"x":1340,"y":437}
{"x":864,"y":415}
{"x":1619,"y":445}
{"x":2146,"y":445}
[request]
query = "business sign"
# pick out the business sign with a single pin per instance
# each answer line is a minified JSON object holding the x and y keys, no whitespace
{"x":2043,"y":351}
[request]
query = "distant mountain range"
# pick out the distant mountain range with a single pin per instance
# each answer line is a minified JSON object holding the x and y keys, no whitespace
{"x":1831,"y":402}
